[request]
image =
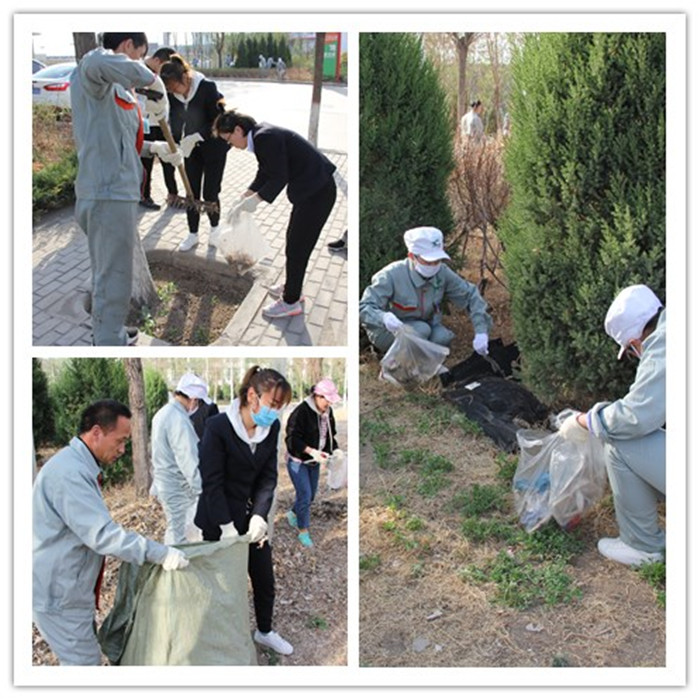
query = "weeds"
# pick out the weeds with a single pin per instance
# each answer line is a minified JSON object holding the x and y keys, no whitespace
{"x":478,"y":530}
{"x":317,"y":623}
{"x":654,"y":573}
{"x":369,"y":562}
{"x":480,"y":499}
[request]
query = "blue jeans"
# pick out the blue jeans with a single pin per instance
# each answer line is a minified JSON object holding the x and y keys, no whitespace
{"x":304,"y":476}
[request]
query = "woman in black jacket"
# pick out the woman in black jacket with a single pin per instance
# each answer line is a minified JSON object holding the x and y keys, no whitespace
{"x":284,"y":159}
{"x":238,"y":462}
{"x":310,"y":441}
{"x":194,"y":106}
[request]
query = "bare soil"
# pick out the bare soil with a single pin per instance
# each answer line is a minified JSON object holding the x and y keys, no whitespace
{"x":194,"y":308}
{"x":416,"y":610}
{"x":311,"y":584}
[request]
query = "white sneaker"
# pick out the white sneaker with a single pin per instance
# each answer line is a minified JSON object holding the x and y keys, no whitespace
{"x":280,"y":309}
{"x":274,"y":641}
{"x":189,"y":242}
{"x":214,"y":234}
{"x":616,"y":550}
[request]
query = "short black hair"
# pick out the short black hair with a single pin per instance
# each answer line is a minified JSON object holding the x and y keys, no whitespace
{"x":104,"y":413}
{"x":476,"y":103}
{"x":225,"y":123}
{"x":163,"y":53}
{"x":111,"y":40}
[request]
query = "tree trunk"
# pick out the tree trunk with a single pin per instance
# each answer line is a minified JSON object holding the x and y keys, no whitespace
{"x":82,"y":43}
{"x":318,"y":83}
{"x":139,"y":426}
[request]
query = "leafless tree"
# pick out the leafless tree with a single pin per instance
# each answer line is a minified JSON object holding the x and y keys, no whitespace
{"x":318,"y":84}
{"x":462,"y":42}
{"x":139,"y":426}
{"x":219,"y":46}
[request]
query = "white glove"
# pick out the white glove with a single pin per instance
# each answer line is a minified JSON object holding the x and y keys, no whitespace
{"x":228,"y":530}
{"x":572,"y":430}
{"x":189,"y":142}
{"x":391,"y":323}
{"x":162,"y":150}
{"x":174,"y":559}
{"x":318,"y":456}
{"x":481,"y":343}
{"x":257,"y":528}
{"x":248,"y":204}
{"x":337,"y":454}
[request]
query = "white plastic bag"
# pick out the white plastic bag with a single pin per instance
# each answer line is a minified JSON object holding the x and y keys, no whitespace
{"x":337,"y":470}
{"x":241,"y":242}
{"x":412,"y":359}
{"x":557,"y":478}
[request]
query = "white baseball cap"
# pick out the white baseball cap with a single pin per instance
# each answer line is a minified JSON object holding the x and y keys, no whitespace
{"x":631,"y":310}
{"x":426,"y":242}
{"x":193,"y":387}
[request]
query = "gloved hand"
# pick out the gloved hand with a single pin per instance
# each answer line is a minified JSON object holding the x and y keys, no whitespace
{"x":228,"y":530}
{"x":174,"y":559}
{"x":572,"y":430}
{"x":391,"y":323}
{"x":481,"y":343}
{"x":248,"y":204}
{"x":318,"y":456}
{"x":189,"y":142}
{"x":162,"y":150}
{"x":337,"y":454}
{"x":257,"y":528}
{"x":157,"y":107}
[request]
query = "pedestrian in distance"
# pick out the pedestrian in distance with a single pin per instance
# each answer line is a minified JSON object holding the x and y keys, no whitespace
{"x":195,"y":106}
{"x":73,"y":532}
{"x":311,"y":440}
{"x":284,"y":159}
{"x":472,"y":126}
{"x":175,"y":457}
{"x":633,"y":428}
{"x":109,"y":139}
{"x":411,"y":291}
{"x":238,"y":464}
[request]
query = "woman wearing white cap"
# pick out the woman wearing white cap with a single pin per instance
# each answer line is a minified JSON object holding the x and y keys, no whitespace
{"x":632,"y":428}
{"x":176,"y":479}
{"x":310,"y":441}
{"x":411,"y":292}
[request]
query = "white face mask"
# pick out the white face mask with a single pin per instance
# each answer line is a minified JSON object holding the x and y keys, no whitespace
{"x":426,"y":271}
{"x":194,"y":410}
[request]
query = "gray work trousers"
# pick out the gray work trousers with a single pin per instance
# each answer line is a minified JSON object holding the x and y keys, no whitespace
{"x":71,"y":636}
{"x":110,"y":226}
{"x":637,"y":474}
{"x":382,"y":339}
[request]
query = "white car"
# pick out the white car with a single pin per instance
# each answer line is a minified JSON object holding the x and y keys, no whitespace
{"x":51,"y":85}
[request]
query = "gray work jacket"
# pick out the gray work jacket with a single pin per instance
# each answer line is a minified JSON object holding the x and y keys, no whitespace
{"x":107,"y":125}
{"x":409,"y":296}
{"x":643,"y":409}
{"x":73,"y":531}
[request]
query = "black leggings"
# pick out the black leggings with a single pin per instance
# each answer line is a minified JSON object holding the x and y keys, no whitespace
{"x":205,"y":171}
{"x":305,"y":224}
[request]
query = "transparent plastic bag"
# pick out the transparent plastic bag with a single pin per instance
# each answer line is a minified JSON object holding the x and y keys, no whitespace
{"x":337,"y":470}
{"x":412,"y":359}
{"x":557,"y":478}
{"x":241,"y":242}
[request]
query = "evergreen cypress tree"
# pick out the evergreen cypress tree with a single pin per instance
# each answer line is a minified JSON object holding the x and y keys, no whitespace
{"x":586,"y":164}
{"x":42,"y":409}
{"x":405,"y":147}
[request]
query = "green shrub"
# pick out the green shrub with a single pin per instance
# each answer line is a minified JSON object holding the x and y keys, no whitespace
{"x":586,"y":165}
{"x":53,"y":186}
{"x":156,"y":390}
{"x":42,"y":409}
{"x":405,"y":147}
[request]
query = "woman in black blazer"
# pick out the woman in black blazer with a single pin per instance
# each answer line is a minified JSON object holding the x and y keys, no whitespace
{"x":238,"y":458}
{"x":195,"y":103}
{"x":284,"y":159}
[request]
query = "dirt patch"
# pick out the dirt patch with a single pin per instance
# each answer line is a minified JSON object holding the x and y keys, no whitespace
{"x":194,"y":308}
{"x":311,"y":585}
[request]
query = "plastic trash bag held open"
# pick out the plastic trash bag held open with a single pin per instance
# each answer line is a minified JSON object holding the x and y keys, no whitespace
{"x":557,"y":478}
{"x":411,"y":359}
{"x":337,"y":470}
{"x":241,"y":242}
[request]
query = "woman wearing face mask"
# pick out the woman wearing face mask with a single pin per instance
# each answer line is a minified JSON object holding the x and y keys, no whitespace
{"x":176,"y":480}
{"x":310,"y":441}
{"x":238,"y":464}
{"x":411,"y":292}
{"x":194,"y":106}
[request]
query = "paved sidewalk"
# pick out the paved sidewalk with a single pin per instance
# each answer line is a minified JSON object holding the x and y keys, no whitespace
{"x":61,"y":268}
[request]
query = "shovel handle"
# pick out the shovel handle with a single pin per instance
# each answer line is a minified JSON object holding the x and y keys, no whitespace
{"x":173,"y":148}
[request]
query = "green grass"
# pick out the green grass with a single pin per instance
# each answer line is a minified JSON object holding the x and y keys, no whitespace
{"x":369,"y":562}
{"x":654,"y":573}
{"x":507,"y":464}
{"x":479,"y":530}
{"x":430,"y":485}
{"x":480,"y":499}
{"x":552,"y":543}
{"x":317,"y":623}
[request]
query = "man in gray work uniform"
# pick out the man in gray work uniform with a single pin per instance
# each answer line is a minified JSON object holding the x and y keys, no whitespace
{"x":73,"y":531}
{"x":108,"y":133}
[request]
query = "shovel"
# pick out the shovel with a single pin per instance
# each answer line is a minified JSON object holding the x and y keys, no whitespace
{"x":188,"y":202}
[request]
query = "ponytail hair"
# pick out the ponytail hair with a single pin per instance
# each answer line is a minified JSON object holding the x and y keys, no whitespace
{"x":175,"y":69}
{"x":263,"y":380}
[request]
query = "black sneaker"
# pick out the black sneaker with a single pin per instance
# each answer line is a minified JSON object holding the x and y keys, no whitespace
{"x":339,"y":245}
{"x":148,"y":203}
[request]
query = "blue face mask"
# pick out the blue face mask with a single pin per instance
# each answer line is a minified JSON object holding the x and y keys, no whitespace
{"x":265,"y":416}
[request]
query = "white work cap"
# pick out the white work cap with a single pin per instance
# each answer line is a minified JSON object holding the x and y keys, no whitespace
{"x":193,"y":387}
{"x":632,"y":309}
{"x":425,"y":242}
